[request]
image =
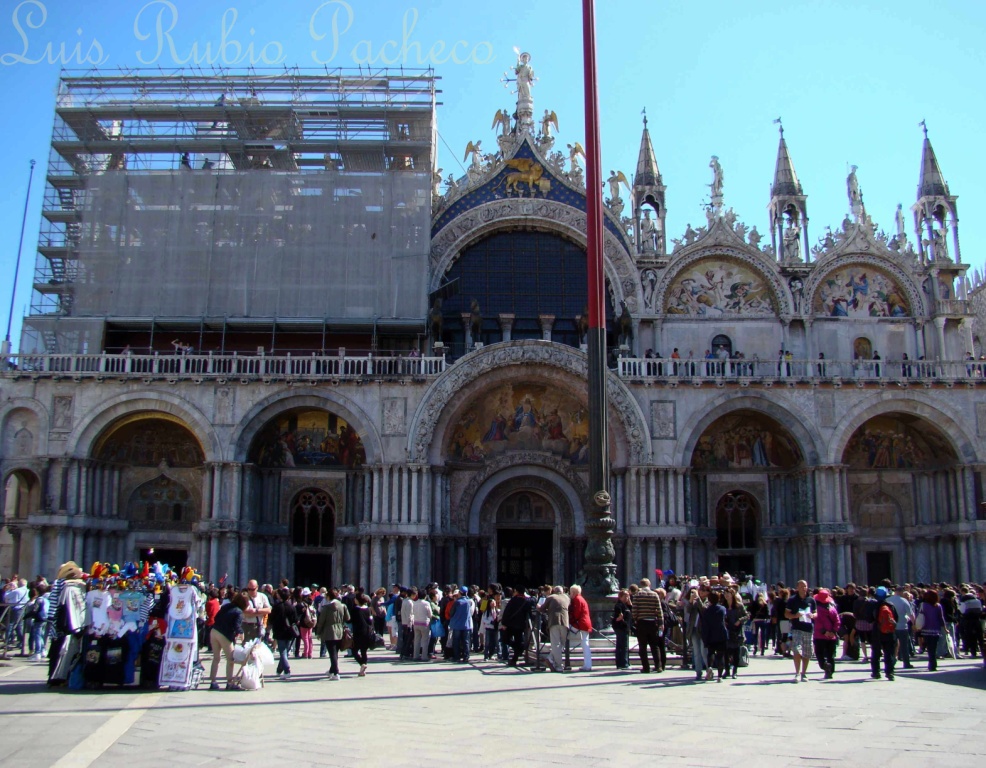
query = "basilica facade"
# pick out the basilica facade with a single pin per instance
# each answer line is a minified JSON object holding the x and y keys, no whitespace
{"x":774,"y":408}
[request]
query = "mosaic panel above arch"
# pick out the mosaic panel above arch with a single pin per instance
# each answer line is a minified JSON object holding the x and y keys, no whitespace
{"x":307,"y":437}
{"x":860,"y":291}
{"x":716,"y":286}
{"x":746,"y":440}
{"x":898,"y":441}
{"x":147,"y":439}
{"x":521,"y":416}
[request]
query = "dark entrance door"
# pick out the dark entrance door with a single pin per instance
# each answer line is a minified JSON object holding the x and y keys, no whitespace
{"x":878,"y":567}
{"x":312,"y":568}
{"x":735,"y":565}
{"x":176,"y":558}
{"x":523,"y":557}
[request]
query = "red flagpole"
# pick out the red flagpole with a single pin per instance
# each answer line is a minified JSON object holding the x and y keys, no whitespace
{"x":600,"y":572}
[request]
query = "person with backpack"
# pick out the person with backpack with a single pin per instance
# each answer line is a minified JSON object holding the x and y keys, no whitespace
{"x":36,"y":622}
{"x":284,"y":627}
{"x":883,"y":638}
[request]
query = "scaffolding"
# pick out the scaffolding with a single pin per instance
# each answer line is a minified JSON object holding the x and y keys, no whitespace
{"x":265,"y":186}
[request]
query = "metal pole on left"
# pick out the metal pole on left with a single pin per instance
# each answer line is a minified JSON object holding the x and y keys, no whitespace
{"x":17,"y":267}
{"x":600,"y":570}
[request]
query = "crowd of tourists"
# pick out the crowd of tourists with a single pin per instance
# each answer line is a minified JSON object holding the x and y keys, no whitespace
{"x":709,"y":625}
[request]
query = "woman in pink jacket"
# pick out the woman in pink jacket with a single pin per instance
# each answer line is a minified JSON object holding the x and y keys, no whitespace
{"x":825,"y":631}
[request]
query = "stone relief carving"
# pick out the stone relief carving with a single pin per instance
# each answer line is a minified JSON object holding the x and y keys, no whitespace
{"x":62,"y":412}
{"x":496,"y":356}
{"x":662,"y":416}
{"x":395,"y":415}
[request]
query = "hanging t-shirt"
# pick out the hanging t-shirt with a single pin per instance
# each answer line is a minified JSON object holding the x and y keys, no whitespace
{"x":98,"y":603}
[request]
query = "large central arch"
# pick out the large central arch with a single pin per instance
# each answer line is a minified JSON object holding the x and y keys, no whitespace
{"x":544,"y":215}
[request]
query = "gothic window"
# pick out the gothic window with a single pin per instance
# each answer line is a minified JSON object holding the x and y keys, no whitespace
{"x":525,"y":508}
{"x":161,"y":502}
{"x":736,"y":521}
{"x":313,"y":519}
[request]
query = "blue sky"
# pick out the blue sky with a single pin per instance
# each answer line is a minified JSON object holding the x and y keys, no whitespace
{"x":850,"y":78}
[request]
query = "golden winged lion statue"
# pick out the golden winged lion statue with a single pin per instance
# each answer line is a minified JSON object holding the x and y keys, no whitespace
{"x":528,"y":172}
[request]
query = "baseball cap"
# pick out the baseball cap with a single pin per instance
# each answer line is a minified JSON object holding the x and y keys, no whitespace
{"x":464,"y":590}
{"x":305,"y":592}
{"x":881,"y":593}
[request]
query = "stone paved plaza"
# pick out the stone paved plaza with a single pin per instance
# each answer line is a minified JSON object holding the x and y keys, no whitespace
{"x":531,"y":718}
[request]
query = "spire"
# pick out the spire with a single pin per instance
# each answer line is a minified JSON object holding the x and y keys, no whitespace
{"x":785,"y":179}
{"x":931,"y":183}
{"x":648,"y":173}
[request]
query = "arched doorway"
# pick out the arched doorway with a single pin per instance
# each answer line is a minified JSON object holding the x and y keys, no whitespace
{"x":313,"y":527}
{"x":525,"y":541}
{"x":737,"y":526}
{"x":157,"y":464}
{"x":902,"y":476}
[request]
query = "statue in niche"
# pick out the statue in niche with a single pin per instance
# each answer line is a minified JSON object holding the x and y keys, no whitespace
{"x":475,"y":321}
{"x":435,"y":319}
{"x":626,"y":326}
{"x":792,"y":242}
{"x":648,"y":233}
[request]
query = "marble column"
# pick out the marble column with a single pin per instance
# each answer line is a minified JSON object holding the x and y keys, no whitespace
{"x":236,"y":492}
{"x":406,"y":561}
{"x":377,"y":576}
{"x":375,"y":514}
{"x":217,"y":491}
{"x":37,"y":535}
{"x":363,"y":573}
{"x":214,"y":563}
{"x":385,"y":500}
{"x":423,"y":570}
{"x":462,"y":561}
{"x":243,"y":566}
{"x":415,"y":510}
{"x":547,"y":323}
{"x":506,"y":325}
{"x":391,"y":559}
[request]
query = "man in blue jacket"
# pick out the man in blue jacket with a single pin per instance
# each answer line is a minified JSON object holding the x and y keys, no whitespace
{"x":461,"y":625}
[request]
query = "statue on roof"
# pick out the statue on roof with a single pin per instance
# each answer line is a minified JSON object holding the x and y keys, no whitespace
{"x":717,"y":177}
{"x":899,"y":218}
{"x":615,"y":179}
{"x":502,"y":120}
{"x":523,"y":76}
{"x":852,"y":190}
{"x":549,"y":119}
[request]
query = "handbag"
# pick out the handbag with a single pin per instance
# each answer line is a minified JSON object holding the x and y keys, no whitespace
{"x":437,"y":630}
{"x":920,"y":621}
{"x":347,"y":639}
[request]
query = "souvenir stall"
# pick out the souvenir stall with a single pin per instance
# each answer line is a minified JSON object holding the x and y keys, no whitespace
{"x":138,"y":618}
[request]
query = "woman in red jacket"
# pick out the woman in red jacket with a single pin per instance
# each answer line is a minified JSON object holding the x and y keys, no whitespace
{"x":579,"y":619}
{"x":825,"y":631}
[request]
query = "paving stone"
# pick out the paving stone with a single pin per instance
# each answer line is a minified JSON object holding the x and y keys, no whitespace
{"x":548,"y":719}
